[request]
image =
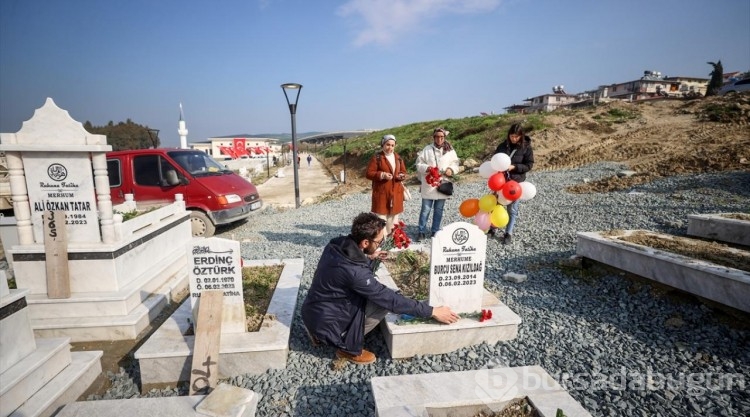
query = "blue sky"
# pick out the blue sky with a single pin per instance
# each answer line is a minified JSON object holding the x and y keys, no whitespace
{"x":363,"y":63}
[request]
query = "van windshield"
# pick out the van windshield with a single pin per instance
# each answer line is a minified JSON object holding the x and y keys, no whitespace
{"x":198,"y":163}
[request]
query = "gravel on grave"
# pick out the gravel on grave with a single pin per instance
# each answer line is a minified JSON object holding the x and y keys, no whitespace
{"x":619,"y":349}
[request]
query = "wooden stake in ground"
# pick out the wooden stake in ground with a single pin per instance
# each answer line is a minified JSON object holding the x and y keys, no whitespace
{"x":56,"y":254}
{"x":204,"y":372}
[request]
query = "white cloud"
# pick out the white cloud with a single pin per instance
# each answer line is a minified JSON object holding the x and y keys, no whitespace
{"x":386,"y":20}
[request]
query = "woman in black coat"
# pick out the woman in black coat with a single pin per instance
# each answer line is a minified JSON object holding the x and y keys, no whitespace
{"x":518,"y":146}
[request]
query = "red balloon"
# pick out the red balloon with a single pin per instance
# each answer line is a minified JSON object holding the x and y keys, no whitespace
{"x":496,"y":181}
{"x":512,"y":190}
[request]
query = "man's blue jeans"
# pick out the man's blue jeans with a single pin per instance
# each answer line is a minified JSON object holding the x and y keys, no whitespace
{"x":437,"y":216}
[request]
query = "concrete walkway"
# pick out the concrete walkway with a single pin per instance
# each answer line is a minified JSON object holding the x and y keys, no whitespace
{"x":314,"y":181}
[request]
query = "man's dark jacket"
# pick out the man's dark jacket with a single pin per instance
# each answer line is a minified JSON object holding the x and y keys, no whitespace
{"x":523,"y":158}
{"x":334,"y":309}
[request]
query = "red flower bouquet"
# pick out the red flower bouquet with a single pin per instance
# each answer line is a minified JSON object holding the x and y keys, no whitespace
{"x":433,"y":176}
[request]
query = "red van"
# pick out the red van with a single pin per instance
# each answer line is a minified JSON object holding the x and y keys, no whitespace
{"x":214,"y":194}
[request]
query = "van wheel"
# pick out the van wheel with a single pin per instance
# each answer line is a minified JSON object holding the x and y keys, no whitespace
{"x":200,"y":224}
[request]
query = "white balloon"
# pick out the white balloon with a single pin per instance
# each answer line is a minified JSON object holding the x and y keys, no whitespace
{"x":486,"y":170}
{"x":500,"y":162}
{"x":502,"y":200}
{"x":528,"y":191}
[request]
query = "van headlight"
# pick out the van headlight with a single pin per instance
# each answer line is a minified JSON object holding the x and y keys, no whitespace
{"x":229,"y":199}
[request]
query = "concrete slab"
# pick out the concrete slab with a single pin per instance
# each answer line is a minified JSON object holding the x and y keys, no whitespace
{"x":314,"y":181}
{"x":166,"y":356}
{"x":407,"y":340}
{"x":31,"y":373}
{"x":721,"y":227}
{"x":724,"y":285}
{"x":468,"y":392}
{"x":64,"y":388}
{"x":162,"y":407}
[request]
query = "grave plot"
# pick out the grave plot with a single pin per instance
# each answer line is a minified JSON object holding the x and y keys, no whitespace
{"x":457,"y":262}
{"x":166,"y":357}
{"x":725,"y":227}
{"x":472,"y":393}
{"x":713,"y":274}
{"x":91,"y":276}
{"x":37,"y":375}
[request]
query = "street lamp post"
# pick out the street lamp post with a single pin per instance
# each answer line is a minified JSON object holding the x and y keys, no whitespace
{"x":268,"y":163}
{"x":344,"y":179}
{"x":293,"y":111}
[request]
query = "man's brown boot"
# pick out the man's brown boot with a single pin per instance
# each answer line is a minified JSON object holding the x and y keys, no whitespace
{"x":365,"y":357}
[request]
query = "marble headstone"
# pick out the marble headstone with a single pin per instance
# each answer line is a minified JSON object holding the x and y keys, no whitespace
{"x":215,"y":264}
{"x":63,"y":182}
{"x":457,"y":265}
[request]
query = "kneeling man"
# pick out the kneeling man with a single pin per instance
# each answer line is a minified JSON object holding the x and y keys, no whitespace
{"x":346,"y":301}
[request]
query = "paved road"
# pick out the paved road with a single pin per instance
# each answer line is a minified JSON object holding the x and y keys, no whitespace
{"x":314,"y":180}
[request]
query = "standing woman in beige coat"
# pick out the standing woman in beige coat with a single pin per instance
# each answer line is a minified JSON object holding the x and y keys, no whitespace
{"x":387,"y":172}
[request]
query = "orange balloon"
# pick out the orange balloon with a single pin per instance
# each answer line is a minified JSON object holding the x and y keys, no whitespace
{"x":469,"y":207}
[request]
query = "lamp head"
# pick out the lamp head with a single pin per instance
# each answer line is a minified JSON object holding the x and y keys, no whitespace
{"x":291,"y":87}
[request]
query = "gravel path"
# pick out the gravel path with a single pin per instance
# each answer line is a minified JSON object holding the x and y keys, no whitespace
{"x":619,"y":348}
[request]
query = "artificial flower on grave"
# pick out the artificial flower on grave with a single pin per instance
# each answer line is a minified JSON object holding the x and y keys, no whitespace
{"x":486,"y":315}
{"x":433,"y":176}
{"x":397,"y":239}
{"x":482,"y":316}
{"x":400,"y":239}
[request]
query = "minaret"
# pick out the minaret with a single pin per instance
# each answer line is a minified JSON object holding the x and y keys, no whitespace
{"x":182,"y":131}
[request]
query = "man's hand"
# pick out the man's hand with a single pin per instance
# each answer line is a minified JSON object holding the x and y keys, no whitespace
{"x":380,"y":254}
{"x":448,"y":172}
{"x":444,"y":314}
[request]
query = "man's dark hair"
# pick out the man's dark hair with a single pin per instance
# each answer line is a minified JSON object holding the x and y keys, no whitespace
{"x":366,"y":226}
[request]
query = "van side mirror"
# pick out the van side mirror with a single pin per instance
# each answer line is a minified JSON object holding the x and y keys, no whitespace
{"x":171,"y":177}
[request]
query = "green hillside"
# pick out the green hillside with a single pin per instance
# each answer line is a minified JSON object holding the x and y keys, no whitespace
{"x":472,"y":137}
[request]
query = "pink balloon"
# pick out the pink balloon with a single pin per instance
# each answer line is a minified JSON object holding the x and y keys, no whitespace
{"x":482,"y":220}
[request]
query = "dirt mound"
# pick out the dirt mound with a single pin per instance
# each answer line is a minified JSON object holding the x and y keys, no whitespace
{"x":655,"y":138}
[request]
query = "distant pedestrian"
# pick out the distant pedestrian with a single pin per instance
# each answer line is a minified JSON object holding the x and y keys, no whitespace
{"x":298,"y":160}
{"x":439,"y":154}
{"x":387,"y":172}
{"x":309,"y":160}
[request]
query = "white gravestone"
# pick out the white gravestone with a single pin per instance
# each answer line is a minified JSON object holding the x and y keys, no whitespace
{"x":457,"y":266}
{"x":215,"y":264}
{"x":63,"y":182}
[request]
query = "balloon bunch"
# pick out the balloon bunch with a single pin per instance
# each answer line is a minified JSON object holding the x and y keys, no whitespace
{"x":489,"y":210}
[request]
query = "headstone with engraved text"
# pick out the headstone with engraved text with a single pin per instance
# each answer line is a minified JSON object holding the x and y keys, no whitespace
{"x":457,"y":265}
{"x":215,"y":264}
{"x":63,"y":182}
